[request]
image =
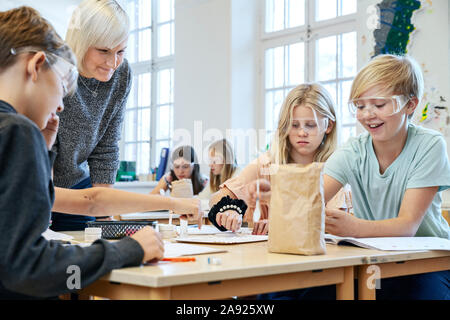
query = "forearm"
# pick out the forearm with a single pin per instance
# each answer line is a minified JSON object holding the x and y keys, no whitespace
{"x":216,"y":197}
{"x":396,"y":227}
{"x":160,"y":186}
{"x":107,"y":201}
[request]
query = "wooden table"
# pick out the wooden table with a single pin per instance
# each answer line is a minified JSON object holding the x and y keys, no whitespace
{"x":389,"y":264}
{"x":249,"y":269}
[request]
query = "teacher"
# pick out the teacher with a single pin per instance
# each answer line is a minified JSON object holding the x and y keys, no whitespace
{"x":90,"y":126}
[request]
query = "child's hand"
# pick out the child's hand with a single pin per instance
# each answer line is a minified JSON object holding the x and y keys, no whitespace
{"x":230,"y":220}
{"x":261,"y":227}
{"x":151,"y":242}
{"x":340,"y":223}
{"x":51,"y":130}
{"x":188,"y":208}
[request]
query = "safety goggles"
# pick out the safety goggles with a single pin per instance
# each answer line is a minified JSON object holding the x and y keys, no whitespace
{"x":380,"y":106}
{"x":66,"y":71}
{"x":184,"y":166}
{"x":313,"y":126}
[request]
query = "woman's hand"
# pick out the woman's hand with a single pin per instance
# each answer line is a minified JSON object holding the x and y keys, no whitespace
{"x":51,"y":130}
{"x":188,"y":209}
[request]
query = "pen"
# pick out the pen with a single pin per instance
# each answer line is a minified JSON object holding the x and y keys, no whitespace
{"x":180,"y":259}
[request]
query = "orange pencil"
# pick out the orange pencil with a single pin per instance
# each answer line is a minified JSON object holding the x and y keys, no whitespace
{"x":180,"y":259}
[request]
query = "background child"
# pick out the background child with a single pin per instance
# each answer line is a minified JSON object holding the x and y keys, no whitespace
{"x":184,"y":165}
{"x":223,"y":165}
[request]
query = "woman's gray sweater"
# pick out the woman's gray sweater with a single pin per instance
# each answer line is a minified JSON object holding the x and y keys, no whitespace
{"x":90,"y":129}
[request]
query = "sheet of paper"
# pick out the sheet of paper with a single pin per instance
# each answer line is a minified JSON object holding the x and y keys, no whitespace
{"x":172,"y":250}
{"x":223,"y":238}
{"x":396,"y":243}
{"x":52,"y":235}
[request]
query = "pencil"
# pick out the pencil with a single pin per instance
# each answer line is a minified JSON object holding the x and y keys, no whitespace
{"x":180,"y":259}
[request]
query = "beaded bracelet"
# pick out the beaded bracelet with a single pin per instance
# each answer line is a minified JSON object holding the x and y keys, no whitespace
{"x":226,"y":203}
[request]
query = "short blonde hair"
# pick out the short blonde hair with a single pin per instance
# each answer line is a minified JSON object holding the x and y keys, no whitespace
{"x":398,"y":74}
{"x":318,"y":98}
{"x":102,"y":23}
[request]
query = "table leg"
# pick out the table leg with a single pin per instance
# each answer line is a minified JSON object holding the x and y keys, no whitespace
{"x":346,"y":290}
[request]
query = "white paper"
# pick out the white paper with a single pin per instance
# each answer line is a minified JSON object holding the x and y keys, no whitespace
{"x":395,"y":243}
{"x":52,"y":235}
{"x":224,"y":238}
{"x":172,"y":250}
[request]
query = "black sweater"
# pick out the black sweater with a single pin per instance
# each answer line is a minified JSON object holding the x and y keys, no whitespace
{"x":29,"y":264}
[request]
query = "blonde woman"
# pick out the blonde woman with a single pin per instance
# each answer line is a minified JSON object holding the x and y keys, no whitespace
{"x":222,"y":164}
{"x":306,"y":133}
{"x":87,"y":143}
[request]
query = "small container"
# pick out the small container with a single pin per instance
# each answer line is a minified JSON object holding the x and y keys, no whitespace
{"x":167,"y":231}
{"x":92,"y":234}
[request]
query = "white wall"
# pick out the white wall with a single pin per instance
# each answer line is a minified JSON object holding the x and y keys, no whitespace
{"x":57,"y":12}
{"x":215,"y":63}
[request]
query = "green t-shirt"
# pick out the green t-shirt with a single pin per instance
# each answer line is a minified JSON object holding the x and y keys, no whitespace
{"x":422,"y":163}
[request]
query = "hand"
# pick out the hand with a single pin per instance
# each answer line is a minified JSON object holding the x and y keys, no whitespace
{"x":340,"y":223}
{"x":51,"y":130}
{"x":261,"y":227}
{"x":151,"y":242}
{"x":230,"y":220}
{"x":264,"y":192}
{"x":188,"y":209}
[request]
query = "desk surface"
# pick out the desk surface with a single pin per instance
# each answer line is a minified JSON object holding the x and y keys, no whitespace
{"x":253,"y":260}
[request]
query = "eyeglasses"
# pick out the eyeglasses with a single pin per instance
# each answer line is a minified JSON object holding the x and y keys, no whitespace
{"x":311,"y":126}
{"x":183,"y":167}
{"x":65,"y":70}
{"x":380,"y":106}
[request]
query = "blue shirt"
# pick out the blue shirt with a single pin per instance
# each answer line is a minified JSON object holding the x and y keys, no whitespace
{"x":422,"y":163}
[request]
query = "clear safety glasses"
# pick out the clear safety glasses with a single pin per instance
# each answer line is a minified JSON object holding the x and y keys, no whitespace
{"x":380,"y":106}
{"x":312,"y":126}
{"x":66,"y":71}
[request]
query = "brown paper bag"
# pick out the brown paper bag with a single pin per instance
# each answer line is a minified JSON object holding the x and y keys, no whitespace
{"x":182,"y":189}
{"x":297,"y":210}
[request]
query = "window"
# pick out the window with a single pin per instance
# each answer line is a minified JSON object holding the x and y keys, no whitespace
{"x":306,"y":41}
{"x":148,"y":123}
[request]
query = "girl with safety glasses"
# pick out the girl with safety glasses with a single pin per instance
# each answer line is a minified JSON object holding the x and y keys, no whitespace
{"x":183,"y":165}
{"x":306,"y":133}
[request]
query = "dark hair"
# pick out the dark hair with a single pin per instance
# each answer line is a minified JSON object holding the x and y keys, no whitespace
{"x":188,"y":154}
{"x":25,"y":27}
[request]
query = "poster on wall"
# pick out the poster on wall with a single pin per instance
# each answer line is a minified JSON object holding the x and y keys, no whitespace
{"x":394,"y":35}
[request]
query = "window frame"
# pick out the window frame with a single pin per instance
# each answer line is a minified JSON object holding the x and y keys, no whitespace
{"x":153,"y":67}
{"x":308,"y":33}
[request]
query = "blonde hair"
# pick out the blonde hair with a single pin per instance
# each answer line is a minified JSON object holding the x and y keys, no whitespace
{"x":398,"y":74}
{"x":317,"y":97}
{"x":222,"y":147}
{"x":102,"y":23}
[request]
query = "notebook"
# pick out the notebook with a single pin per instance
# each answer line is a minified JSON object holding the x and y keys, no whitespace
{"x":393,"y":243}
{"x":172,"y":250}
